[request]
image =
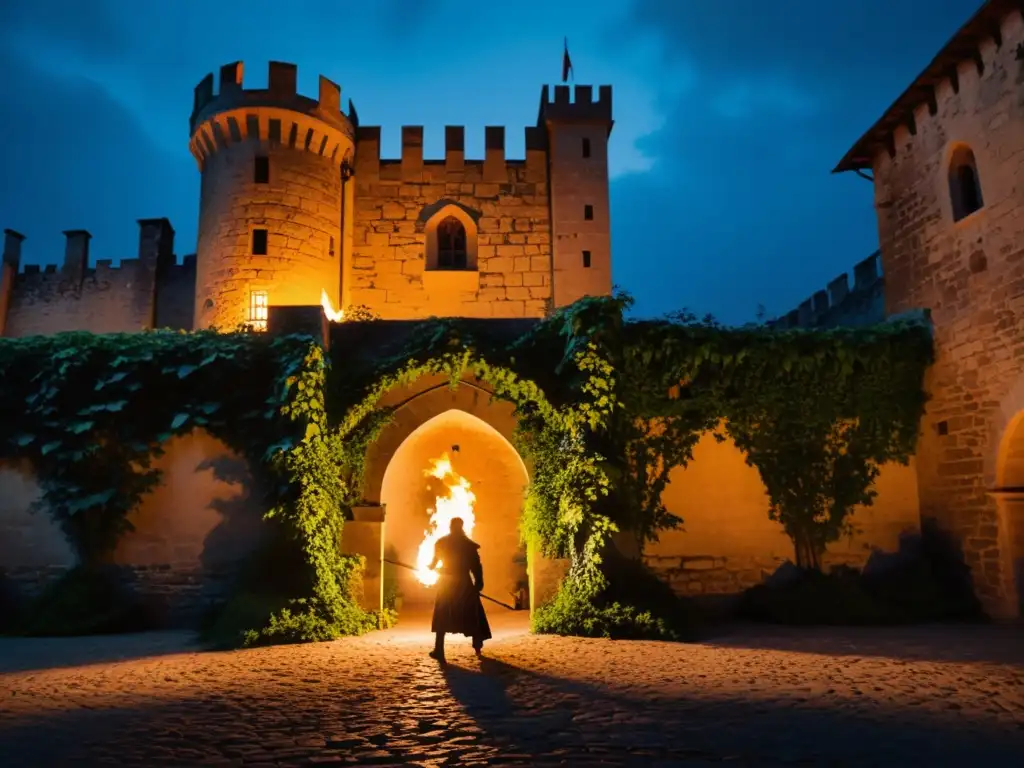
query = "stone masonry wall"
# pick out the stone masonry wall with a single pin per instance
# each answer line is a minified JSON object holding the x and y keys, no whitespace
{"x":108,"y":299}
{"x":727,"y":543}
{"x":300,"y":208}
{"x":970,"y":274}
{"x":100,"y":299}
{"x":838,"y":306}
{"x":176,"y":295}
{"x":504,"y":205}
{"x":190,"y":534}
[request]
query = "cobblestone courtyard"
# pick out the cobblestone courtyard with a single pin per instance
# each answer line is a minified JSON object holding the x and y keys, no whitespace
{"x":756,"y":696}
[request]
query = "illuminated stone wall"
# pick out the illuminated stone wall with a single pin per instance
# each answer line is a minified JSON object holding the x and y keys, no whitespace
{"x":727,"y":543}
{"x":272,"y":165}
{"x":503,"y":206}
{"x":970,"y":274}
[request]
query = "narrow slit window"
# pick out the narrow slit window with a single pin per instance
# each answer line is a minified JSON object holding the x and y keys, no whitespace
{"x":588,"y":212}
{"x":586,"y":259}
{"x":586,"y":147}
{"x":261,"y":170}
{"x":331,"y":249}
{"x":259,"y":242}
{"x":964,"y":184}
{"x":258,"y":305}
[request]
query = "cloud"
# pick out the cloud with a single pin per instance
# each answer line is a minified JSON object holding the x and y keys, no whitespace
{"x":739,"y":207}
{"x":78,"y":160}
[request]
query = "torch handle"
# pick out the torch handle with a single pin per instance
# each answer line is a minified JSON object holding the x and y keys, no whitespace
{"x":485,"y":597}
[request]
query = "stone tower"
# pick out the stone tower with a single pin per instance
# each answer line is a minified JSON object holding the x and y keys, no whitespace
{"x":274,"y":168}
{"x":577,"y":133}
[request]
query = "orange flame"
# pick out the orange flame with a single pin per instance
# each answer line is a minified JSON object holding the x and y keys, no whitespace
{"x":457,"y":502}
{"x":334,"y":315}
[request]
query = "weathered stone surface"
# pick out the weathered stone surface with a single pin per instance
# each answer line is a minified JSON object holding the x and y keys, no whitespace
{"x":769,"y":697}
{"x":970,"y":274}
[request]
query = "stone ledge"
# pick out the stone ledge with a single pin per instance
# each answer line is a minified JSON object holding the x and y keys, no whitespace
{"x":451,"y":281}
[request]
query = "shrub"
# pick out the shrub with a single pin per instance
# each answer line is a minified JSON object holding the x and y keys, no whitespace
{"x":635,"y":604}
{"x":906,"y":593}
{"x":86,"y":601}
{"x":813,"y":597}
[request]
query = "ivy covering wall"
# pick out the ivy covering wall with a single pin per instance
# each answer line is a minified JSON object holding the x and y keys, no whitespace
{"x":607,"y":409}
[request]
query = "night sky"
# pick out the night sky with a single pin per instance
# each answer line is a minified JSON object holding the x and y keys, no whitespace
{"x":729,"y":115}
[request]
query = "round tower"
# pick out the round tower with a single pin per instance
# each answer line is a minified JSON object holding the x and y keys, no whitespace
{"x":270,"y":206}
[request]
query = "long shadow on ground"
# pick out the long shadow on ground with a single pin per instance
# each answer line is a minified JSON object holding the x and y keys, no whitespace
{"x":494,"y":713}
{"x":528,"y":713}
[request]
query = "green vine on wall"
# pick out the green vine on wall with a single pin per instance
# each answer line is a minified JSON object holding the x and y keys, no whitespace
{"x":607,"y":409}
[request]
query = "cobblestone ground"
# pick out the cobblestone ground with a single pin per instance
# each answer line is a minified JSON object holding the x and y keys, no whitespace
{"x":923,"y":697}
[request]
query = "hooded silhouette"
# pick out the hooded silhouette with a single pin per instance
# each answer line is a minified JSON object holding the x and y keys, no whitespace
{"x":457,"y":606}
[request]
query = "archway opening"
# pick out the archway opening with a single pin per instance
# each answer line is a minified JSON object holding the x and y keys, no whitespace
{"x":498,"y":479}
{"x":1010,"y":502}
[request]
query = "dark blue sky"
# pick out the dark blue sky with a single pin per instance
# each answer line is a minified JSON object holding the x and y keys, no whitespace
{"x":730,"y":115}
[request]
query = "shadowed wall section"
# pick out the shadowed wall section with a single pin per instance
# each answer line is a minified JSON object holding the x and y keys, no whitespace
{"x":190,"y":533}
{"x":727,"y":543}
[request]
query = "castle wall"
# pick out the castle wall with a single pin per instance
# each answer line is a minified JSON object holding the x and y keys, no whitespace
{"x":76,"y":297}
{"x":108,"y":299}
{"x":175,"y":296}
{"x":970,"y":274}
{"x":503,"y":206}
{"x":33,"y":548}
{"x":838,"y":305}
{"x":727,"y":543}
{"x":190,"y":532}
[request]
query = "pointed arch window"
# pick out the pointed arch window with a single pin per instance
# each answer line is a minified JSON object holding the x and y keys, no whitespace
{"x":964,"y":184}
{"x":452,"y":244}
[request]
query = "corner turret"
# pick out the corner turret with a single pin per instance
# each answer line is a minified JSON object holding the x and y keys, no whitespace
{"x":274,"y":168}
{"x":577,"y":137}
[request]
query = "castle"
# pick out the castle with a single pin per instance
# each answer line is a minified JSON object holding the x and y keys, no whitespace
{"x":297,"y":208}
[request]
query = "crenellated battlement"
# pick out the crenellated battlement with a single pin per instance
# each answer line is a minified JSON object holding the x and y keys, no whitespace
{"x":838,"y":305}
{"x":494,"y":163}
{"x":990,"y":40}
{"x":580,"y":108}
{"x":156,"y":252}
{"x":277,"y":114}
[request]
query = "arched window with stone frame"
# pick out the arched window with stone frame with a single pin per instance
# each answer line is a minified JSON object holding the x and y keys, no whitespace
{"x":451,"y":244}
{"x":964,"y":183}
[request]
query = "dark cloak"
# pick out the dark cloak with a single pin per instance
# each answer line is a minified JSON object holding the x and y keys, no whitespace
{"x":457,"y":606}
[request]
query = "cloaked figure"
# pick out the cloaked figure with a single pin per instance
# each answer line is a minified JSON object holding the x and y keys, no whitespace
{"x":457,"y":607}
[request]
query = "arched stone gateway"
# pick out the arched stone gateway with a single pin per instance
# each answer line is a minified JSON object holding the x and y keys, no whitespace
{"x":1008,"y":491}
{"x":476,"y":431}
{"x":498,"y":479}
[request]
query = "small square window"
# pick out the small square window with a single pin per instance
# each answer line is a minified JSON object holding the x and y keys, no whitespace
{"x":943,"y":428}
{"x":586,"y":259}
{"x":259,"y":242}
{"x":588,"y":212}
{"x":261,"y":170}
{"x":586,"y":147}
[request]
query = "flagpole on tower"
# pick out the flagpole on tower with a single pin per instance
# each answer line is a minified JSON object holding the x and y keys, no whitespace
{"x":567,"y":70}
